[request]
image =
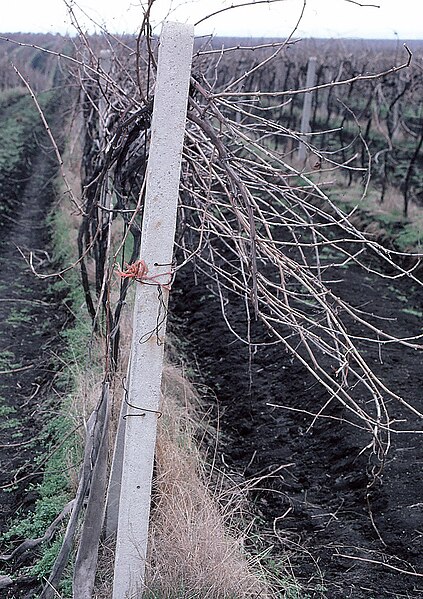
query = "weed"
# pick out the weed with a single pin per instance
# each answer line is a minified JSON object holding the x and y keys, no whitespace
{"x":11,"y":96}
{"x":17,"y":317}
{"x":53,"y":491}
{"x":7,"y":360}
{"x":413,"y":312}
{"x":8,"y":421}
{"x":45,"y":564}
{"x":410,"y":237}
{"x":5,"y":410}
{"x":397,"y":293}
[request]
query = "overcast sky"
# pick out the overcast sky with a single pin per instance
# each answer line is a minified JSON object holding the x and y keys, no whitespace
{"x":322,"y":18}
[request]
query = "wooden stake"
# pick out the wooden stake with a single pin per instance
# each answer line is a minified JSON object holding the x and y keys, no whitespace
{"x":163,"y":174}
{"x":111,"y":515}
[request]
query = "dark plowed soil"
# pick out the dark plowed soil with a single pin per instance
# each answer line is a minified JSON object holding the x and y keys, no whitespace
{"x":31,"y":319}
{"x":320,"y":505}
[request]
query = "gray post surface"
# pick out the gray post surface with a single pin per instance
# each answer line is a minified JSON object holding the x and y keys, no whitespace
{"x":159,"y":222}
{"x":306,"y":114}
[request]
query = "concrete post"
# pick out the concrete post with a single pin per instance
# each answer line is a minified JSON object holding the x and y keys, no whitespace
{"x":305,"y":117}
{"x":163,"y":174}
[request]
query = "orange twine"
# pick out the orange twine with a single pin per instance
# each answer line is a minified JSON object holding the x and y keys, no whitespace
{"x":138,"y":271}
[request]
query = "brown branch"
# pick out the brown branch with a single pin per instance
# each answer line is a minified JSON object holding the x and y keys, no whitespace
{"x":13,"y":370}
{"x":379,"y":563}
{"x":361,"y":4}
{"x":233,"y":6}
{"x":240,"y":48}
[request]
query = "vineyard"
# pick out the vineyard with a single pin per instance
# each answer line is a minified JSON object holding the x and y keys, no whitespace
{"x":295,"y":310}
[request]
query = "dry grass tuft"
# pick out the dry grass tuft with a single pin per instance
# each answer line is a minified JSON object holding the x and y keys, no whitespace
{"x":192,"y":551}
{"x":196,"y":546}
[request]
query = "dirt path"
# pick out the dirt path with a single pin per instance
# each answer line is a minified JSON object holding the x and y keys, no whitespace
{"x":317,"y":506}
{"x":31,"y":318}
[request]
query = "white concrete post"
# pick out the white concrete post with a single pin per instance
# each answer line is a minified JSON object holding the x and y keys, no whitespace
{"x":306,"y":114}
{"x":163,"y":174}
